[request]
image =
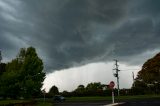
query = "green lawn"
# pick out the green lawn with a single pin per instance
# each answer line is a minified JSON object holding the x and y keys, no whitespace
{"x":138,"y":97}
{"x":39,"y":103}
{"x":96,"y":98}
{"x":49,"y":102}
{"x":12,"y":101}
{"x":44,"y":104}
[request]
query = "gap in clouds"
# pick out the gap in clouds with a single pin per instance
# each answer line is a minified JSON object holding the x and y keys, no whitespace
{"x":69,"y":79}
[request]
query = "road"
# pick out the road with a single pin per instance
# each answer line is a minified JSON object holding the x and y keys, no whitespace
{"x":147,"y":102}
{"x":97,"y":103}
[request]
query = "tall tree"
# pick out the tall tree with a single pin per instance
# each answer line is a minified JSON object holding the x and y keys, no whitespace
{"x":148,"y":78}
{"x":31,"y":71}
{"x":24,"y":75}
{"x":150,"y":72}
{"x":10,"y":84}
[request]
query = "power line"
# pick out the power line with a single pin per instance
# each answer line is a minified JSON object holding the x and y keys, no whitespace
{"x":131,"y":70}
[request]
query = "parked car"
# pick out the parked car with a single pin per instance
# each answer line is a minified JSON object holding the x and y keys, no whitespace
{"x":59,"y":98}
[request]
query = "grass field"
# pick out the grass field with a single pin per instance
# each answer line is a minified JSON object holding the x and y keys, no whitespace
{"x":49,"y":102}
{"x":96,"y":98}
{"x":138,"y":97}
{"x":44,"y":104}
{"x":39,"y":103}
{"x":12,"y":101}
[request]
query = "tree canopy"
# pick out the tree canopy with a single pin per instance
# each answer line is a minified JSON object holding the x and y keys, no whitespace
{"x":23,"y":76}
{"x":150,"y":72}
{"x":2,"y":68}
{"x":53,"y":91}
{"x":148,"y":78}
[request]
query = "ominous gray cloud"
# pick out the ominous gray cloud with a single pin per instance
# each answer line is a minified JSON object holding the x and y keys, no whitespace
{"x":76,"y":32}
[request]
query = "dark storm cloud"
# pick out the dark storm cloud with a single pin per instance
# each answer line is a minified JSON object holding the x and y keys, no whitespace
{"x":139,"y":33}
{"x":76,"y":32}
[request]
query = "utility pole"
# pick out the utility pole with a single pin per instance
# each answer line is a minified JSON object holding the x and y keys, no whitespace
{"x":116,"y":74}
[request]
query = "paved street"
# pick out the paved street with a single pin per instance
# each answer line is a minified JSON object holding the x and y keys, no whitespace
{"x":142,"y":103}
{"x":99,"y":103}
{"x":148,"y":102}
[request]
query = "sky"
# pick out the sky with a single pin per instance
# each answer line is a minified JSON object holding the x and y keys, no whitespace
{"x":79,"y":39}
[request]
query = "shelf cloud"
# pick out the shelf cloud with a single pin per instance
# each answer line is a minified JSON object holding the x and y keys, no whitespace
{"x":69,"y":33}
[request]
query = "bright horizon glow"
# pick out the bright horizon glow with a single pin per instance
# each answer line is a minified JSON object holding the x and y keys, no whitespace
{"x":69,"y":79}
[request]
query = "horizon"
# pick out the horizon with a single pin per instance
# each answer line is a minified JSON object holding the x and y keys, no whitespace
{"x":78,"y":40}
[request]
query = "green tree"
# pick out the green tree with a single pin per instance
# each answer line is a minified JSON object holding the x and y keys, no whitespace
{"x":2,"y":68}
{"x":31,"y":71}
{"x":149,"y":74}
{"x":94,"y":89}
{"x":24,"y":75}
{"x":66,"y":94}
{"x":10,"y":84}
{"x":80,"y":91}
{"x":80,"y":88}
{"x":94,"y":86}
{"x":53,"y":91}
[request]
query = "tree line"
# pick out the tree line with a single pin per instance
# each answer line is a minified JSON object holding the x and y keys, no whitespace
{"x":23,"y":76}
{"x":91,"y":89}
{"x":146,"y":82}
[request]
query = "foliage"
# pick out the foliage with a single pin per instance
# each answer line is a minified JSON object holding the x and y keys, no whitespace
{"x":66,"y":94}
{"x":92,"y":89}
{"x":23,"y":76}
{"x":149,"y":76}
{"x":140,"y":88}
{"x":53,"y":91}
{"x":2,"y":68}
{"x":150,"y":72}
